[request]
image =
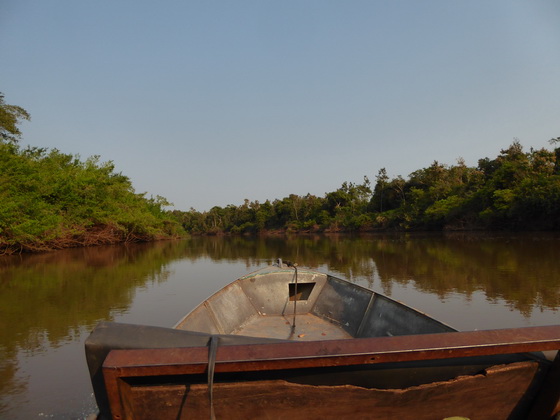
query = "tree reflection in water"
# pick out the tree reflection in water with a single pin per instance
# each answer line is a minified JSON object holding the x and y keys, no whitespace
{"x":50,"y":302}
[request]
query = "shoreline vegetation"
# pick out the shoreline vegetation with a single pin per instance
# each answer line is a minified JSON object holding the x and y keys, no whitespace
{"x":50,"y":200}
{"x":516,"y":191}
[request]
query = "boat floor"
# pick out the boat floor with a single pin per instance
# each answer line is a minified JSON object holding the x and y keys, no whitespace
{"x":308,"y":327}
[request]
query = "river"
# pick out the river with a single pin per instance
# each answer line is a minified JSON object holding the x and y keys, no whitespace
{"x":50,"y":302}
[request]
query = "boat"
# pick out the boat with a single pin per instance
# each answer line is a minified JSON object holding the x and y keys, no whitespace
{"x":292,"y":343}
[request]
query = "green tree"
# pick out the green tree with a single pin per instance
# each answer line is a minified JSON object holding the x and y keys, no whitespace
{"x":381,"y":180}
{"x":516,"y":190}
{"x":51,"y":200}
{"x":10,"y":117}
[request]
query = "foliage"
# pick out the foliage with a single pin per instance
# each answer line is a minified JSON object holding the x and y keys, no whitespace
{"x":10,"y":118}
{"x":51,"y":200}
{"x":517,"y":190}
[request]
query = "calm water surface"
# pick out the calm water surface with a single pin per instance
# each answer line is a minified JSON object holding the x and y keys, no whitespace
{"x":49,"y":303}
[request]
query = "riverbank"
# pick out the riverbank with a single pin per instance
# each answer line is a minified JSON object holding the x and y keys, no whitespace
{"x":82,"y":237}
{"x":51,"y":200}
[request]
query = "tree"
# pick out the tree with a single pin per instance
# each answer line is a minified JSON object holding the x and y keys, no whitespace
{"x":10,"y":117}
{"x":380,"y":186}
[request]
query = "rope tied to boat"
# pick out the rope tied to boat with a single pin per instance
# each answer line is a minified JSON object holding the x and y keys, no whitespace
{"x":294,"y":266}
{"x":212,"y":350}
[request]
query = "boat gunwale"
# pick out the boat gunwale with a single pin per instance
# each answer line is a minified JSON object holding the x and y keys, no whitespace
{"x":371,"y":350}
{"x":127,"y":364}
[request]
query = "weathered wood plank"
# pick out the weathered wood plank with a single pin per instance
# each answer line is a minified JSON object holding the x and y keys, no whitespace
{"x":290,"y":355}
{"x":122,"y":364}
{"x":466,"y":396}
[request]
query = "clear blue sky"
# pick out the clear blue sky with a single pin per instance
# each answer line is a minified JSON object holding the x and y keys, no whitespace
{"x":211,"y":102}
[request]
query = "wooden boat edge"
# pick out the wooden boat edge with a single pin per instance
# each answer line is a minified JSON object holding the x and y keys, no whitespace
{"x":190,"y":361}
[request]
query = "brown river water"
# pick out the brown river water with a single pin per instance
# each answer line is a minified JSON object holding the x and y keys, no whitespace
{"x":50,"y":302}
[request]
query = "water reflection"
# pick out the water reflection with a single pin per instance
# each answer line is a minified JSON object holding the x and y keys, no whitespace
{"x":49,"y":302}
{"x":522,"y":269}
{"x":50,"y":296}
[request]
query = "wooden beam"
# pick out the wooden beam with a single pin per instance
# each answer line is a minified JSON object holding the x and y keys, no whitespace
{"x":290,"y":355}
{"x":121,"y":364}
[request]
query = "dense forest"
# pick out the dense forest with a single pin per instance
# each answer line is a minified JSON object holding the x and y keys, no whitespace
{"x":51,"y":200}
{"x":517,"y":190}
